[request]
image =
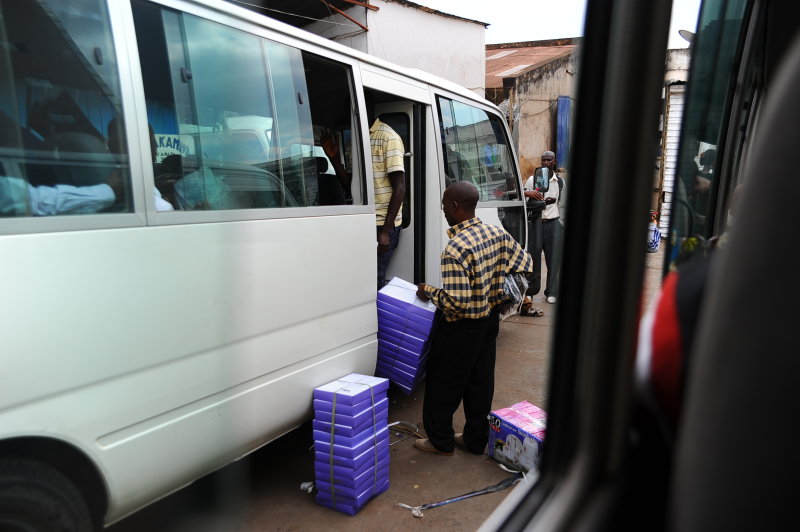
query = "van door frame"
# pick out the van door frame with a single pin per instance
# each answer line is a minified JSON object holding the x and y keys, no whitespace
{"x":616,"y":125}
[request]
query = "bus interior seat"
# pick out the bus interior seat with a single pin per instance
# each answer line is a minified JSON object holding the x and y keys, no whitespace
{"x":329,"y":188}
{"x":87,"y":159}
{"x":166,"y":174}
{"x":736,"y":461}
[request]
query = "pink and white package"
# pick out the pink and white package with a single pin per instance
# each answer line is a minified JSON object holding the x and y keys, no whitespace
{"x":516,"y":435}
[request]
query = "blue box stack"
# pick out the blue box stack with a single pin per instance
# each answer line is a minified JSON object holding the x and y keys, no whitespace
{"x":405,"y":323}
{"x":351,"y":441}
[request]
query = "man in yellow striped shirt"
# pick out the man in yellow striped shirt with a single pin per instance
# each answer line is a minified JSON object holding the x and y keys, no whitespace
{"x":474,"y":266}
{"x":388,"y":173}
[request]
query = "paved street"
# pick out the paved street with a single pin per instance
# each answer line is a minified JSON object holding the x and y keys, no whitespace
{"x":262,"y":492}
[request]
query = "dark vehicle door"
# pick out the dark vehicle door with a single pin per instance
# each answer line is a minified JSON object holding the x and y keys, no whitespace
{"x":730,"y":463}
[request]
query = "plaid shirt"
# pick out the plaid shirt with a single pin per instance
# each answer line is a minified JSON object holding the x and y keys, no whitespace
{"x":474,"y":267}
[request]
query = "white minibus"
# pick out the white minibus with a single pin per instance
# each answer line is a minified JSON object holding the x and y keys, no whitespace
{"x":180,"y":264}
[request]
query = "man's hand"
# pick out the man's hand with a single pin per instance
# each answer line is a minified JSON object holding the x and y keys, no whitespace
{"x":535,"y":194}
{"x":384,"y":239}
{"x":421,"y":292}
{"x":329,"y":144}
{"x":701,"y":184}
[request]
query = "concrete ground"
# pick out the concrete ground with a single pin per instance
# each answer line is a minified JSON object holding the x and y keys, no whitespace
{"x":262,"y":492}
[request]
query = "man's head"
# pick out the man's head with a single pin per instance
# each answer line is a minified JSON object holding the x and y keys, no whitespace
{"x":549,"y":160}
{"x":459,"y":202}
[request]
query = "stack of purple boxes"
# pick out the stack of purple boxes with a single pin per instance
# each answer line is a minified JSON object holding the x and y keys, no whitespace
{"x":351,"y":441}
{"x":404,"y":327}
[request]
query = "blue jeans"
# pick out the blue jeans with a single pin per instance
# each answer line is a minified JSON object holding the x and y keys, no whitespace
{"x":384,"y":258}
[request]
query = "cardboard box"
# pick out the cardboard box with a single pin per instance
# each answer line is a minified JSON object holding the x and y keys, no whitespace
{"x":403,"y":295}
{"x":379,"y":412}
{"x":390,"y":336}
{"x":343,"y":429}
{"x":323,"y":405}
{"x":351,"y":505}
{"x":361,"y":461}
{"x":516,"y":435}
{"x":352,"y":477}
{"x":340,"y":491}
{"x":352,"y":389}
{"x":323,"y":436}
{"x":366,"y":443}
{"x":404,"y":326}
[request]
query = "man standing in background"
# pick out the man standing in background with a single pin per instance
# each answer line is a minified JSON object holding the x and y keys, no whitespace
{"x":552,"y":230}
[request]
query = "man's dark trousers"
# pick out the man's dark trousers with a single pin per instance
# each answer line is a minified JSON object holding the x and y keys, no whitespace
{"x":552,"y":234}
{"x":461,"y":366}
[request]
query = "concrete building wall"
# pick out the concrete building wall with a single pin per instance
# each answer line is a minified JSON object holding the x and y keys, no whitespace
{"x":677,"y":65}
{"x":448,"y":47}
{"x":534,"y":102}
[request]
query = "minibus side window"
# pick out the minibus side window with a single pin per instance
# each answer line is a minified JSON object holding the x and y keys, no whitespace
{"x":60,"y":113}
{"x":241,"y":130}
{"x":476,"y":150}
{"x":696,"y":191}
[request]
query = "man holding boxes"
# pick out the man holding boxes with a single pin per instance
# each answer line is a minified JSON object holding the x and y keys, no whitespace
{"x":474,"y":265}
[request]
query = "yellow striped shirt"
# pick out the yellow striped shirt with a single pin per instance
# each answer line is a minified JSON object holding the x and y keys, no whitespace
{"x":387,"y":157}
{"x":475,"y":263}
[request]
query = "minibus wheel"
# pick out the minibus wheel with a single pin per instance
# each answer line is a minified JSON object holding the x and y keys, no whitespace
{"x":37,"y":497}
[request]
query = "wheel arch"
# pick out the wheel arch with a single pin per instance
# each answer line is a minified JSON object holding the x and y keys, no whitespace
{"x":69,"y":461}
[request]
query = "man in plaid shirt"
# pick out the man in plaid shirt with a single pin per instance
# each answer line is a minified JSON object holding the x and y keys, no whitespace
{"x":474,"y":265}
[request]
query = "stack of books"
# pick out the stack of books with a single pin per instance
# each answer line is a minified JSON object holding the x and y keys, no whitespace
{"x":351,"y":441}
{"x":405,"y":323}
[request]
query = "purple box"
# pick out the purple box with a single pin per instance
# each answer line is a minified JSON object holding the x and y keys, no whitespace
{"x":365,"y":459}
{"x":380,"y":412}
{"x":340,"y":490}
{"x":402,"y":294}
{"x":388,"y":336}
{"x":404,"y":356}
{"x":351,"y":505}
{"x":341,"y":429}
{"x":372,"y":475}
{"x":322,"y":405}
{"x":516,"y":435}
{"x":392,"y":318}
{"x":352,"y":389}
{"x":349,"y":441}
{"x":404,"y":324}
{"x":400,"y":367}
{"x":398,"y":364}
{"x":353,"y":451}
{"x":399,"y":309}
{"x":395,"y":350}
{"x":348,"y":476}
{"x":398,"y":376}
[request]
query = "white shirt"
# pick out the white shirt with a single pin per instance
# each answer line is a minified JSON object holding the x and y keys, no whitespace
{"x":17,"y":196}
{"x":551,"y":209}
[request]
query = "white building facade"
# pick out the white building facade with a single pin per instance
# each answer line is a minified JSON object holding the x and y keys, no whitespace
{"x":413,"y":36}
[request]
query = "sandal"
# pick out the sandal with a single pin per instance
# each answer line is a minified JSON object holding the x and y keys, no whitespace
{"x":532,"y":311}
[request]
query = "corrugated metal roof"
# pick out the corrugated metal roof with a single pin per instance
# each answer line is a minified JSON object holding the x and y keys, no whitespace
{"x":511,"y":59}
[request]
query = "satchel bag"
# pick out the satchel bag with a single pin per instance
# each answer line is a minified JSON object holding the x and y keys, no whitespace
{"x":516,"y":284}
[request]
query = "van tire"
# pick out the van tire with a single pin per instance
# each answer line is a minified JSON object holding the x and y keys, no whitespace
{"x":36,"y":497}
